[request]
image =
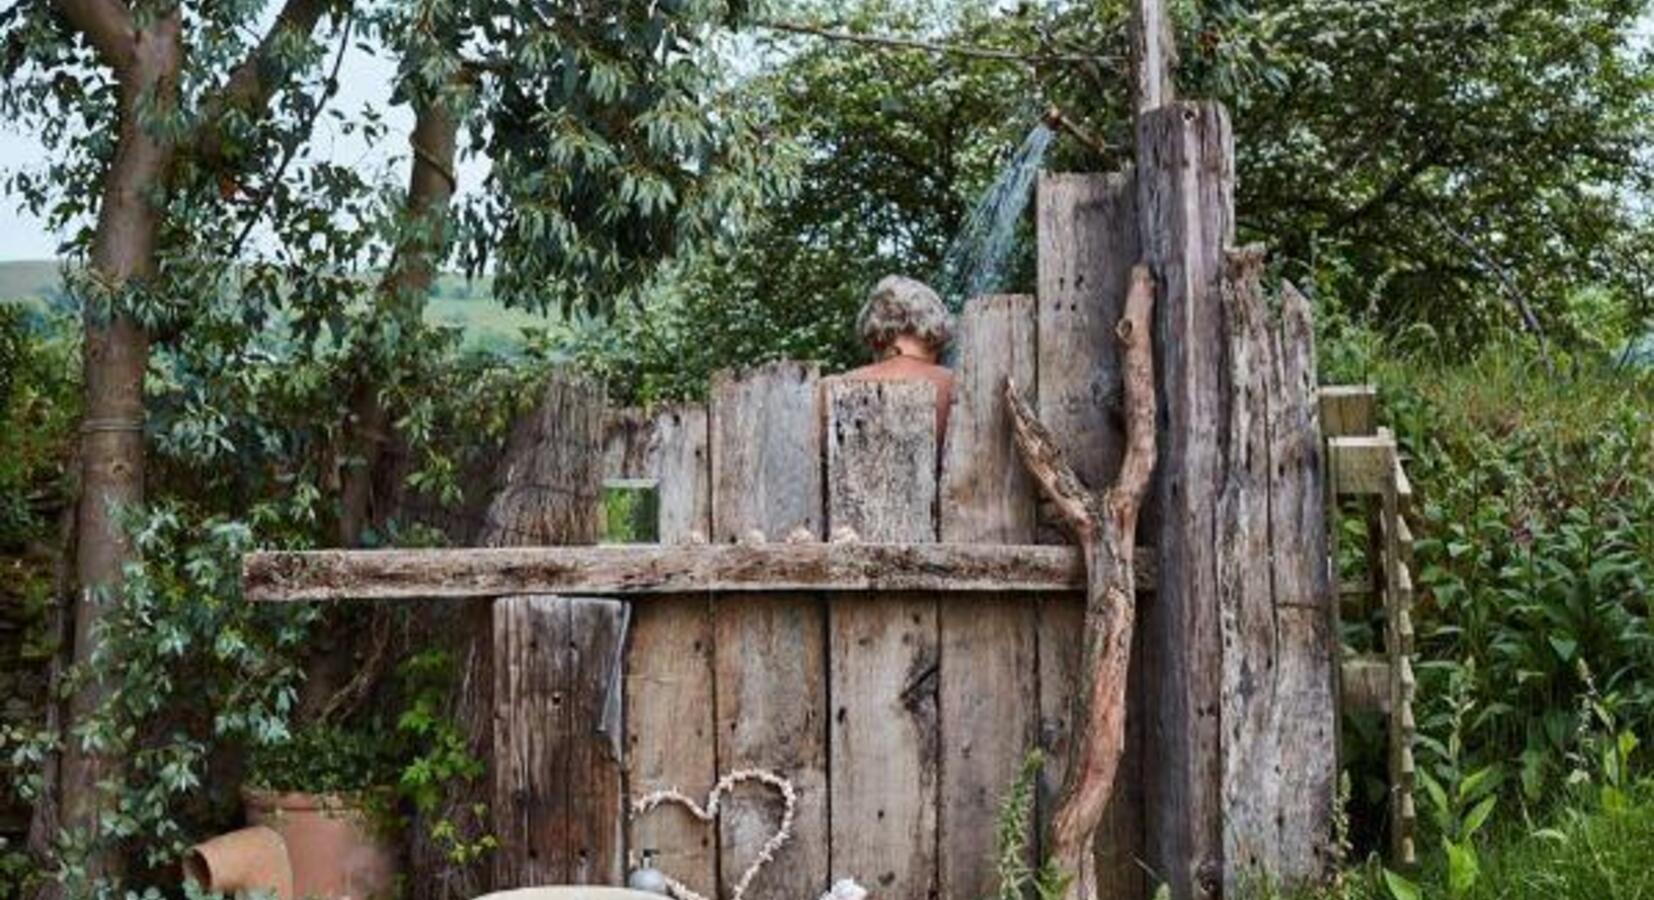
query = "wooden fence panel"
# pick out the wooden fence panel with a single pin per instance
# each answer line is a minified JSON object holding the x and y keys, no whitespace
{"x":669,"y":681}
{"x":1088,"y":244}
{"x":769,"y":657}
{"x":882,"y":650}
{"x":989,"y":689}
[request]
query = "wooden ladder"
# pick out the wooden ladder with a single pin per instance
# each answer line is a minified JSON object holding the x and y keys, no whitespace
{"x":1364,"y":466}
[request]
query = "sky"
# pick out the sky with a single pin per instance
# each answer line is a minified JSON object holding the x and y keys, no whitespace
{"x":364,"y":80}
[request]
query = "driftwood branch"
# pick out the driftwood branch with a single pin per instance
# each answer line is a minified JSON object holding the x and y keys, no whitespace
{"x":1105,"y":526}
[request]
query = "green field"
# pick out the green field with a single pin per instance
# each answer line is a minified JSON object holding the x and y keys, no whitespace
{"x":456,"y":302}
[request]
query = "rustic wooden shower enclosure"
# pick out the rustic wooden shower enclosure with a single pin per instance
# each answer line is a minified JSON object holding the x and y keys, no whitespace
{"x":899,"y":681}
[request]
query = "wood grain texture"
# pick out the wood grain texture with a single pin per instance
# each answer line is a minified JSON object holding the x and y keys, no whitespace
{"x":766,"y":452}
{"x":1185,"y":172}
{"x":988,"y":694}
{"x":1087,"y":246}
{"x":1088,"y":243}
{"x":670,"y":721}
{"x":1274,"y":583}
{"x":646,"y":570}
{"x":770,"y":665}
{"x":548,"y":484}
{"x":1307,"y":679}
{"x":883,"y":654}
{"x":557,"y":778}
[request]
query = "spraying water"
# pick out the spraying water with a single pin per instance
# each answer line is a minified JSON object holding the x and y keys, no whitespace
{"x":975,"y":262}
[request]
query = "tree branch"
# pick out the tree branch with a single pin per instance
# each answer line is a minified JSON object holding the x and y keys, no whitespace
{"x":1507,"y":285}
{"x":250,"y":85}
{"x":107,"y":24}
{"x":969,"y":51}
{"x":1106,"y":531}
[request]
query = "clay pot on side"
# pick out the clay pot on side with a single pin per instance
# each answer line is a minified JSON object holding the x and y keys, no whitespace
{"x":337,"y":848}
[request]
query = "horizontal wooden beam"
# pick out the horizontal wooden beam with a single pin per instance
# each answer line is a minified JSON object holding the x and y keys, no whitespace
{"x":643,"y":569}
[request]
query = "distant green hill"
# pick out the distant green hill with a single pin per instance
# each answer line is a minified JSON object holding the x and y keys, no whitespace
{"x":455,"y":302}
{"x":30,"y":279}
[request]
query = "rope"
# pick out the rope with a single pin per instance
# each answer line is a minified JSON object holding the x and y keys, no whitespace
{"x":648,"y":802}
{"x":112,"y":425}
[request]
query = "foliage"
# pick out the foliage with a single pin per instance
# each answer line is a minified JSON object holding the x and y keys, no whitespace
{"x":1439,"y":160}
{"x":1013,"y":834}
{"x":895,"y":148}
{"x":323,"y":759}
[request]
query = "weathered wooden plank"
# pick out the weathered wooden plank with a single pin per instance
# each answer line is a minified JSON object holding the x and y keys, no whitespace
{"x":769,"y":658}
{"x":1306,"y":682}
{"x":596,"y":808}
{"x":883,"y":655}
{"x":557,"y":778}
{"x":548,"y":482}
{"x":988,"y":691}
{"x":1246,"y":602}
{"x":1349,"y":410}
{"x":1088,"y":243}
{"x":531,"y":741}
{"x":1185,"y":173}
{"x":1087,"y":246}
{"x":1362,"y":466}
{"x":670,"y":727}
{"x":648,"y":570}
{"x":766,"y":448}
{"x":1278,"y":712}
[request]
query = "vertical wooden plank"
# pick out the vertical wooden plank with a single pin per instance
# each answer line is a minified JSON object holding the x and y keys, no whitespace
{"x":770,"y":661}
{"x":595,"y":827}
{"x":531,"y":741}
{"x":557,"y":787}
{"x":516,"y":710}
{"x":1185,"y":173}
{"x":988,"y":694}
{"x":1250,"y":621}
{"x":669,"y":701}
{"x":1307,"y":604}
{"x":1088,"y":243}
{"x":882,"y":650}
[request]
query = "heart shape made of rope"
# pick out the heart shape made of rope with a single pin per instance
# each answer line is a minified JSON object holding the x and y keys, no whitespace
{"x":709,"y":812}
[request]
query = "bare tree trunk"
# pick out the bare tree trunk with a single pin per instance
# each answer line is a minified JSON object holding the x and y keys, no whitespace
{"x":146,"y":57}
{"x":1105,"y":525}
{"x":115,"y":356}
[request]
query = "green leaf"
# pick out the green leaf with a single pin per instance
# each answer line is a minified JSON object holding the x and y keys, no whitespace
{"x":1462,"y":867}
{"x":1401,"y":888}
{"x":1478,"y":817}
{"x":1564,"y":648}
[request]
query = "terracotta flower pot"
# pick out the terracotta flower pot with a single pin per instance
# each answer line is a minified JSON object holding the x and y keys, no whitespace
{"x":337,"y":850}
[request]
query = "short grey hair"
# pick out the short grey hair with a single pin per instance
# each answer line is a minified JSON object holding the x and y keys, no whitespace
{"x":898,"y":306}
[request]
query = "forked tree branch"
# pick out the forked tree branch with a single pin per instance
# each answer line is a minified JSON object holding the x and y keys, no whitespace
{"x":1105,"y":526}
{"x":107,"y":25}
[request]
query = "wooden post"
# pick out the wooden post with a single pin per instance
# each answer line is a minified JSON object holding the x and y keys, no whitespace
{"x":769,"y":656}
{"x":882,"y":650}
{"x":1154,"y":56}
{"x":670,"y":727}
{"x":556,"y":770}
{"x":1185,"y":174}
{"x":1088,"y":244}
{"x":989,"y":720}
